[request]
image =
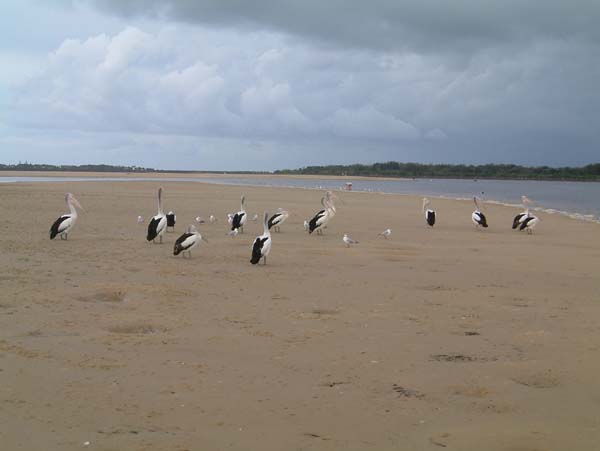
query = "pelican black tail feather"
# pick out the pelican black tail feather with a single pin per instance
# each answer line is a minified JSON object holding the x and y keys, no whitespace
{"x":312,"y":225}
{"x":517,"y":220}
{"x":431,"y":218}
{"x":483,"y":220}
{"x":236,"y":222}
{"x":272,"y":220}
{"x":257,"y":249}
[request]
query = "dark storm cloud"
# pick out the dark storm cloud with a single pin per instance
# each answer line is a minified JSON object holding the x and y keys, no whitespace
{"x":427,"y":25}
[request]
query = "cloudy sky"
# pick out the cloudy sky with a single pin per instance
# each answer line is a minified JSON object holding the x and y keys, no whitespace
{"x":268,"y":84}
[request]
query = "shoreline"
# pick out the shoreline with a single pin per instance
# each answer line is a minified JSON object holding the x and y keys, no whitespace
{"x":204,"y":178}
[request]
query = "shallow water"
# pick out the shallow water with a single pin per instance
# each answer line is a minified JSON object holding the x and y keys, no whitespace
{"x":578,"y":199}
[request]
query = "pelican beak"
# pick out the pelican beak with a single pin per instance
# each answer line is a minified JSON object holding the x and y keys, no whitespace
{"x":77,"y":204}
{"x":203,"y":239}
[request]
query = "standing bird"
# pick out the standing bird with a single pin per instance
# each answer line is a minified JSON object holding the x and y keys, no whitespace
{"x":529,"y":223}
{"x":171,"y":220}
{"x":158,"y":223}
{"x":277,"y":219}
{"x":477,"y":216}
{"x":255,"y":217}
{"x":385,"y":233}
{"x":346,"y":239}
{"x":212,"y":219}
{"x":518,"y":220}
{"x":323,"y":217}
{"x":429,"y":213}
{"x":140,"y":219}
{"x":239,"y":219}
{"x":306,"y":225}
{"x":262,"y":243}
{"x":186,"y":242}
{"x":65,"y":223}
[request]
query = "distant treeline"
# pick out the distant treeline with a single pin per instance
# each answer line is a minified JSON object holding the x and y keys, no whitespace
{"x":106,"y":168}
{"x":415,"y":170}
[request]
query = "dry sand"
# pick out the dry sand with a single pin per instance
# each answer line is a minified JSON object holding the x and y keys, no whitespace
{"x":445,"y":338}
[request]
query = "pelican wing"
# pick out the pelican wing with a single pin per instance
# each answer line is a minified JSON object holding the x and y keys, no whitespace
{"x":60,"y":225}
{"x":257,"y":249}
{"x":517,"y":220}
{"x":238,"y":220}
{"x":316,"y":221}
{"x":157,"y":223}
{"x":185,"y":242}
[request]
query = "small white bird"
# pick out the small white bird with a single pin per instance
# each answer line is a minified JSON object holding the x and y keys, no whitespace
{"x":306,"y":225}
{"x":346,"y":239}
{"x":200,"y":220}
{"x":186,"y":242}
{"x":212,"y":219}
{"x":233,"y":233}
{"x":140,"y":219}
{"x":385,"y":233}
{"x":255,"y":217}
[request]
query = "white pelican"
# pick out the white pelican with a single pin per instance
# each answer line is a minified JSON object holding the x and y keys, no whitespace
{"x":277,"y":219}
{"x":429,"y":213}
{"x":158,"y":223}
{"x":262,"y":243}
{"x":477,"y":216}
{"x":239,"y":219}
{"x":385,"y":233}
{"x":186,"y":242}
{"x":529,"y":223}
{"x":140,"y":219}
{"x":323,"y":217}
{"x":346,"y":239}
{"x":65,"y":223}
{"x":171,"y":219}
{"x":518,"y":220}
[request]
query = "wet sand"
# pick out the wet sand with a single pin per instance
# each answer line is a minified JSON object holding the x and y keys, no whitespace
{"x":435,"y":338}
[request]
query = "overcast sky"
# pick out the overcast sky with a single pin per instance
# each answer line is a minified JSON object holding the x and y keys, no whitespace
{"x":269,"y":84}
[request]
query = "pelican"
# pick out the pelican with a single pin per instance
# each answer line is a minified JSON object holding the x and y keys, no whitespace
{"x":186,"y":242}
{"x":477,"y":216}
{"x":277,"y":219}
{"x":429,"y":213}
{"x":239,"y":219}
{"x":385,"y":233}
{"x":346,"y":239}
{"x":529,"y":223}
{"x":65,"y":223}
{"x":262,"y":243}
{"x":323,"y":217}
{"x":518,"y":220}
{"x":171,"y":219}
{"x":140,"y":219}
{"x":158,"y":223}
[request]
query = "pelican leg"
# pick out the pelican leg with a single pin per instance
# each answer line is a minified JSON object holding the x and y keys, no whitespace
{"x":160,"y":239}
{"x":242,"y":229}
{"x":265,"y":260}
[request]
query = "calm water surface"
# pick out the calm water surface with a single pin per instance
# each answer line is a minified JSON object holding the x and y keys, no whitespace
{"x":579,"y":198}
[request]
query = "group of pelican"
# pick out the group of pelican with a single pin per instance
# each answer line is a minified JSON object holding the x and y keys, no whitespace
{"x":261,"y":246}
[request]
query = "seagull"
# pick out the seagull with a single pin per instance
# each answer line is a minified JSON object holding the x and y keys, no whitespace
{"x":158,"y":223}
{"x":186,"y":242}
{"x":239,"y":219}
{"x":306,"y":225}
{"x":429,"y":213}
{"x":65,"y":223}
{"x":277,"y":219}
{"x":140,"y":219}
{"x":255,"y":217}
{"x":346,"y":239}
{"x":385,"y":233}
{"x":200,"y":220}
{"x":478,"y":217}
{"x":233,"y":233}
{"x":212,"y":219}
{"x":262,"y":244}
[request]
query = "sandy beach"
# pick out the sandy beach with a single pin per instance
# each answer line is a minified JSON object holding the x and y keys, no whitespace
{"x":444,"y":338}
